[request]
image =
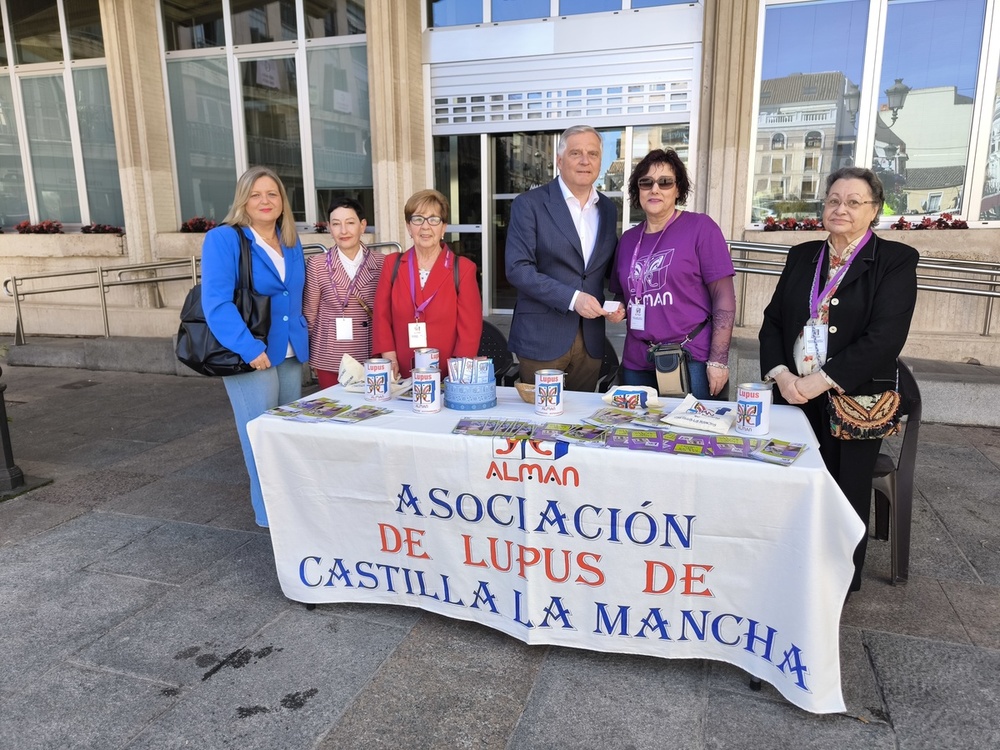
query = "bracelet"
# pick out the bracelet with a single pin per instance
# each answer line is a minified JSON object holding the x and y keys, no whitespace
{"x":717,"y":365}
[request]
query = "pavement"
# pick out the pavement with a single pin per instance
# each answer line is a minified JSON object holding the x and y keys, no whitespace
{"x":139,"y":608}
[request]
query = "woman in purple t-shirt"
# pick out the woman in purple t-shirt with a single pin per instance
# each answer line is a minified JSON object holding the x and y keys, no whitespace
{"x":673,"y":272}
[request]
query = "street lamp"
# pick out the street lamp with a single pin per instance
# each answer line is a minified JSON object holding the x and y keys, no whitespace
{"x":896,"y":94}
{"x":852,"y":100}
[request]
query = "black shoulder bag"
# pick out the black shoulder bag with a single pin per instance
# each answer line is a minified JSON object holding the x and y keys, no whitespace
{"x":671,"y":363}
{"x":197,"y":346}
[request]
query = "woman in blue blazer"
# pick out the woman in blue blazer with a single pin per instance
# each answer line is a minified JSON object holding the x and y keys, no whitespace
{"x":262,"y":212}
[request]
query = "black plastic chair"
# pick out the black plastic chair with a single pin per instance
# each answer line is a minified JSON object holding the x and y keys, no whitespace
{"x":610,"y":369}
{"x":893,"y":482}
{"x":493,"y":344}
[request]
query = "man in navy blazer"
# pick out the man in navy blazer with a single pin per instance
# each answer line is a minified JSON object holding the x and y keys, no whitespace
{"x":560,"y":244}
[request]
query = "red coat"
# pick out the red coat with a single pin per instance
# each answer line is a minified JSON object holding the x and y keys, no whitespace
{"x":454,"y":318}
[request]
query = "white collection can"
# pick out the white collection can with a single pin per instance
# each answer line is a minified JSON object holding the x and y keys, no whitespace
{"x":753,"y":408}
{"x":549,"y":392}
{"x":378,"y":372}
{"x":426,"y":390}
{"x":427,"y":359}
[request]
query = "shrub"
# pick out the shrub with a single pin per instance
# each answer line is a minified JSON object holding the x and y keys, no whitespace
{"x":197,"y":224}
{"x":43,"y":227}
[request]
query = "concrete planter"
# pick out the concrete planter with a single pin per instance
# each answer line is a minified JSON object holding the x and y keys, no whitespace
{"x":62,"y":245}
{"x":964,"y":244}
{"x":173,"y":245}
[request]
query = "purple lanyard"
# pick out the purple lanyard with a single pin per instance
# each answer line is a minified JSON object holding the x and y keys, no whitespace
{"x":419,"y":309}
{"x":817,"y":296}
{"x":633,"y":276}
{"x":353,"y":282}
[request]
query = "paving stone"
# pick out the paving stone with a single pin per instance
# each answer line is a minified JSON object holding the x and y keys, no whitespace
{"x":939,"y":695}
{"x":88,"y":490}
{"x":583,"y":699}
{"x":474,"y":683}
{"x":105,"y":708}
{"x":22,"y":517}
{"x":180,"y":499}
{"x":287,"y":686}
{"x":742,"y":720}
{"x":978,"y":608}
{"x":919,"y":608}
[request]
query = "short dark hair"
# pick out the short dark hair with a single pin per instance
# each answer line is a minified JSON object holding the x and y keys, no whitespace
{"x":344,"y":201}
{"x":860,"y":173}
{"x":654,"y":157}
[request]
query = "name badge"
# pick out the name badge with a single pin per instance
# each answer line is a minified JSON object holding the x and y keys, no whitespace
{"x":418,"y":335}
{"x":814,"y":339}
{"x":345,"y":329}
{"x":637,"y":316}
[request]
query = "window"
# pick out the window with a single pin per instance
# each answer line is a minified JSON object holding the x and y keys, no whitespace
{"x":214,"y":88}
{"x":777,"y":141}
{"x":71,"y":172}
{"x":515,"y":10}
{"x":917,"y":126}
{"x":810,"y":163}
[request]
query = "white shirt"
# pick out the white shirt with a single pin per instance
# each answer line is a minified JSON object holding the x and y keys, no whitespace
{"x":586,"y":220}
{"x":351,"y":266}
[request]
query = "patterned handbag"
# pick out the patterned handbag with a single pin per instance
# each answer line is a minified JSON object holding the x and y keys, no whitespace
{"x":865,"y":417}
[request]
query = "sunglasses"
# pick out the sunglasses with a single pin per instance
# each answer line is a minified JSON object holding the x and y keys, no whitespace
{"x":664,"y":183}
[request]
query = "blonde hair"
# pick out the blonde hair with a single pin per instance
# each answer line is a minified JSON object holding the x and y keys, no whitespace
{"x":238,"y":216}
{"x":426,"y":198}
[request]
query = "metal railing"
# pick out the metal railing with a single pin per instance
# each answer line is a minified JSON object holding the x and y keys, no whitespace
{"x":967,"y":281}
{"x":103,"y":279}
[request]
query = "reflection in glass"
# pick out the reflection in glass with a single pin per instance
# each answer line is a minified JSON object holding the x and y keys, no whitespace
{"x":257,"y":21}
{"x":83,"y":22}
{"x":523,"y":161}
{"x":503,"y":294}
{"x":334,"y":18}
{"x":341,"y":126}
{"x":990,"y":208}
{"x":455,"y":12}
{"x":34,"y":26}
{"x":514,"y":10}
{"x":271,"y":115}
{"x":655,"y":3}
{"x":97,"y":141}
{"x":3,"y":48}
{"x":922,"y":148}
{"x":51,"y":151}
{"x":192,"y":24}
{"x":468,"y":245}
{"x":13,"y":198}
{"x":203,"y":136}
{"x":458,"y":175}
{"x":573,"y":7}
{"x":813,"y":54}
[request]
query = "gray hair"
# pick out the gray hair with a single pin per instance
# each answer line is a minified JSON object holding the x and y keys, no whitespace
{"x":860,"y":173}
{"x":575,"y":130}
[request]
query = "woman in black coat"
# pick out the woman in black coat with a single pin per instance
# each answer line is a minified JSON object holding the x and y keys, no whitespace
{"x":838,"y":320}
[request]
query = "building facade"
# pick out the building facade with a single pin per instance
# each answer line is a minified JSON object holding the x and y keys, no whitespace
{"x":142,"y":114}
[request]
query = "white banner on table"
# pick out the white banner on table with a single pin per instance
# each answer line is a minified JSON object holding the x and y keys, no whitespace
{"x":610,"y":550}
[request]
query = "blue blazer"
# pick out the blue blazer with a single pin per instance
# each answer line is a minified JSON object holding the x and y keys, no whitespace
{"x":220,"y":264}
{"x":544,"y":262}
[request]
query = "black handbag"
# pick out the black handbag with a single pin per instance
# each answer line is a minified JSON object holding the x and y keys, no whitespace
{"x":197,"y":346}
{"x":670,"y":362}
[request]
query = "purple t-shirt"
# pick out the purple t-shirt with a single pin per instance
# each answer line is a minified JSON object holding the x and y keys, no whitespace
{"x":669,"y":272}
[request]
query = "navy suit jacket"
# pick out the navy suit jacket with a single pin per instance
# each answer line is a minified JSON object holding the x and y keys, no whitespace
{"x":544,"y":262}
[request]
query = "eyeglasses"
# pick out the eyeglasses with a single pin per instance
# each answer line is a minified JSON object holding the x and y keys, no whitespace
{"x":852,"y":205}
{"x":664,"y":183}
{"x":416,"y":220}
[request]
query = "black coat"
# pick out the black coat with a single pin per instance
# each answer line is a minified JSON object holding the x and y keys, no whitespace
{"x":870,"y":313}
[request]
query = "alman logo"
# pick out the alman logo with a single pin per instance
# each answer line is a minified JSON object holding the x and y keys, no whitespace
{"x":522,"y":460}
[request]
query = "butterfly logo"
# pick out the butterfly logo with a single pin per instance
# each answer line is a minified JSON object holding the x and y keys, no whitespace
{"x":548,"y":395}
{"x":423,"y":393}
{"x":375,"y":384}
{"x":748,"y":414}
{"x":626,"y":400}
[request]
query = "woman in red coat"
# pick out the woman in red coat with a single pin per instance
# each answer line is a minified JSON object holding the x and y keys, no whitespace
{"x":421,"y":301}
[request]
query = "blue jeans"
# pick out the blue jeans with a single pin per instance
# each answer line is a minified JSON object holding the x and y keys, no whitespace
{"x":252,"y":394}
{"x":698,"y":372}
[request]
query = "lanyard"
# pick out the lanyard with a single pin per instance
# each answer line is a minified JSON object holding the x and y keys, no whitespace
{"x":419,"y":309}
{"x":634,"y":275}
{"x":816,"y":296}
{"x":352,"y":283}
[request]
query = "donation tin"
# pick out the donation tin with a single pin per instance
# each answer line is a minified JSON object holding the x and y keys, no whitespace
{"x":426,"y":390}
{"x":378,"y":373}
{"x":427,"y":359}
{"x":549,"y":392}
{"x":753,"y":408}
